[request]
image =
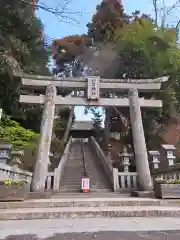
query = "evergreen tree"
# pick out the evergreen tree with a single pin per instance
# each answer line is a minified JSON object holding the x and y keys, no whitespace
{"x":22,"y":47}
{"x":108,"y":17}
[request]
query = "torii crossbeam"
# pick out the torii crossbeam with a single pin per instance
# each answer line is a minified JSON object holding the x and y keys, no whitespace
{"x":112,"y":85}
{"x":77,"y":101}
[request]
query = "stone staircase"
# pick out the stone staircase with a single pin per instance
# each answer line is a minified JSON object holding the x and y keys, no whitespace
{"x":98,"y":180}
{"x":72,"y":207}
{"x":74,"y":170}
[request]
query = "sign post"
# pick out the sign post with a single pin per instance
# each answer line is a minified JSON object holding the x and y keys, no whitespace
{"x":85,"y":185}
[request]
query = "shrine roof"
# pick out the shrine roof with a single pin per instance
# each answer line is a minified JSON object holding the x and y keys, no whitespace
{"x":82,"y":125}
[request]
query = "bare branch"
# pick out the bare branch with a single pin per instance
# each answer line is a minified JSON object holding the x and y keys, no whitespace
{"x":178,"y":24}
{"x":172,"y":7}
{"x":155,"y":11}
{"x":63,"y":13}
{"x":160,"y":8}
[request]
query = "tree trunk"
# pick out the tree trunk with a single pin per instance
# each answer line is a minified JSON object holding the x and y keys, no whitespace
{"x":68,"y":127}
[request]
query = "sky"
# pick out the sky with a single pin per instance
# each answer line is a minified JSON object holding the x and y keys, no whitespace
{"x":54,"y":29}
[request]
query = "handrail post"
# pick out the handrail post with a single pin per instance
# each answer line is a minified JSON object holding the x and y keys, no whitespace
{"x":59,"y":170}
{"x":105,"y":163}
{"x":84,"y":162}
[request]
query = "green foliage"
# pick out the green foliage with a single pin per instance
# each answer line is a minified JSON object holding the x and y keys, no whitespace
{"x":147,"y":52}
{"x":11,"y":132}
{"x":60,"y":123}
{"x":22,"y":47}
{"x":14,"y":182}
{"x":21,"y":36}
{"x":97,"y":119}
{"x":108,"y":17}
{"x":59,"y":127}
{"x":143,"y":51}
{"x":170,"y":181}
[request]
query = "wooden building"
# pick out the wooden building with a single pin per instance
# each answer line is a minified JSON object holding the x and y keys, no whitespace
{"x":82,"y":129}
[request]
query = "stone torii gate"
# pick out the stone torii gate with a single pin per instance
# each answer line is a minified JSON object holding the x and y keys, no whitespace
{"x":92,"y":86}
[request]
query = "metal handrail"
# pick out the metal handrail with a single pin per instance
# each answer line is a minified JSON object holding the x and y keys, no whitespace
{"x":84,"y":161}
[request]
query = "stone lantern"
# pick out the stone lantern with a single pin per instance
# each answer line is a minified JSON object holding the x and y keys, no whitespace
{"x":16,"y":158}
{"x":168,"y":155}
{"x":5,"y":150}
{"x":154,"y":159}
{"x":125,"y":159}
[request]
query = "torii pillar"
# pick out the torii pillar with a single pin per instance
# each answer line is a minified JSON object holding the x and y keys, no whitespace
{"x":43,"y":149}
{"x":140,"y":150}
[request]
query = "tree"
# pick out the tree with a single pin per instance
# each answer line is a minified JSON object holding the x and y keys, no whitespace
{"x":67,"y":55}
{"x":67,"y":52}
{"x":147,"y":52}
{"x":108,"y":17}
{"x":144,"y":51}
{"x":22,"y":47}
{"x":22,"y":36}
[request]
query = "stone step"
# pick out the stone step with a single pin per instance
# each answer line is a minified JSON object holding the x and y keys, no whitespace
{"x":74,"y":169}
{"x":77,"y":182}
{"x":78,"y":202}
{"x":100,"y":190}
{"x":91,"y":196}
{"x":90,"y":212}
{"x":64,"y":184}
{"x":73,"y":179}
{"x":66,"y":187}
{"x":70,"y":190}
{"x":74,"y":166}
{"x":70,"y":184}
{"x":75,"y":173}
{"x":39,"y":195}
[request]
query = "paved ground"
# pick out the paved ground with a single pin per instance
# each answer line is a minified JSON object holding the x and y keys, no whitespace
{"x":175,"y":235}
{"x":92,"y":229}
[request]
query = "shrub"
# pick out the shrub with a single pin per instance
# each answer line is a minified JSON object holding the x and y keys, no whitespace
{"x":13,"y":182}
{"x":13,"y":133}
{"x":170,"y":181}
